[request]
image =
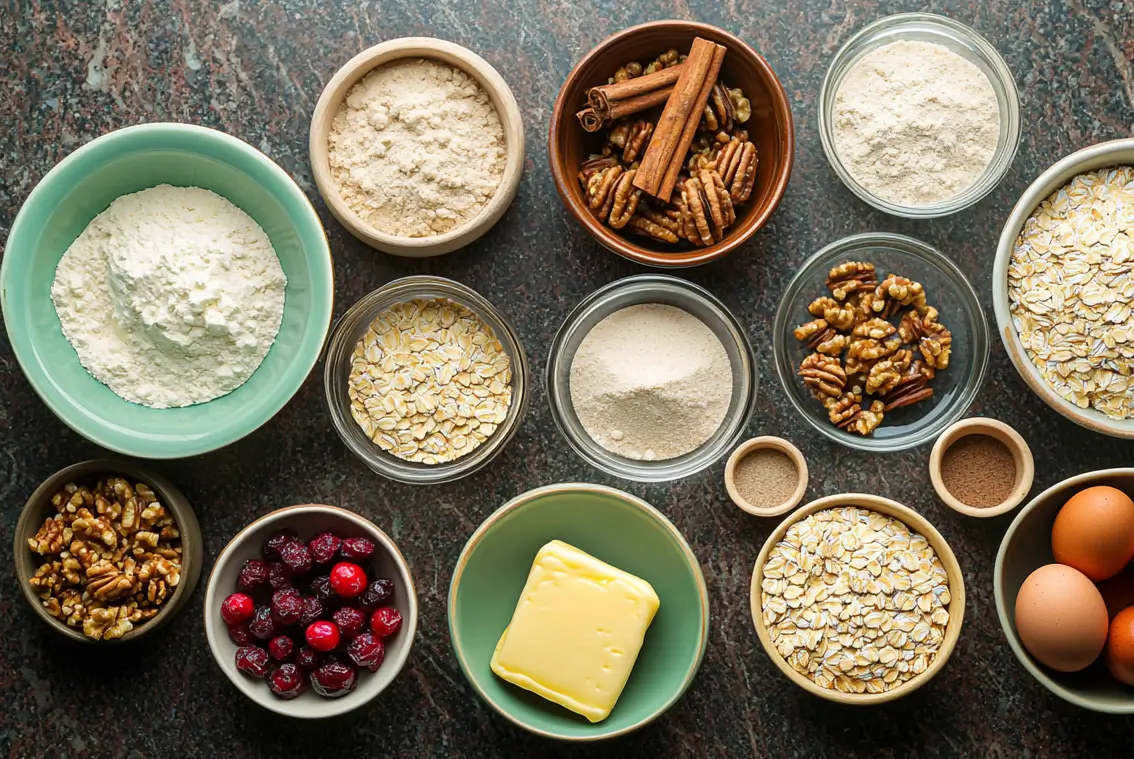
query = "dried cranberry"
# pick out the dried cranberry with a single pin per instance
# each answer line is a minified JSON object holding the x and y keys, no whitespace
{"x":278,"y":576}
{"x":312,"y":610}
{"x":281,"y":648}
{"x":237,"y":608}
{"x":286,"y":681}
{"x":252,"y":575}
{"x":324,"y":546}
{"x":296,"y":558}
{"x":357,"y":548}
{"x":252,"y":660}
{"x":377,"y":593}
{"x":334,"y":679}
{"x":367,"y":651}
{"x":275,"y":544}
{"x":385,"y":621}
{"x":321,"y":587}
{"x":287,"y":606}
{"x":307,"y":658}
{"x":240,"y":635}
{"x":347,"y":579}
{"x":262,"y":624}
{"x":323,"y":635}
{"x":350,"y":620}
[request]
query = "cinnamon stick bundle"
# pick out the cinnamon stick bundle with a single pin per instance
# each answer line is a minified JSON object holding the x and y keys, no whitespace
{"x":602,"y":98}
{"x":677,"y":126}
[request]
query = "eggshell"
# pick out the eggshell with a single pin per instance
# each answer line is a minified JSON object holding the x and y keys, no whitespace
{"x":1094,"y":532}
{"x":1120,"y":647}
{"x":1118,"y":591}
{"x":1061,"y":618}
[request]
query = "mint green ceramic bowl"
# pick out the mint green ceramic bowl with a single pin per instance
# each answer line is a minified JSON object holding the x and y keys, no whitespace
{"x":80,"y":187}
{"x":617,"y":528}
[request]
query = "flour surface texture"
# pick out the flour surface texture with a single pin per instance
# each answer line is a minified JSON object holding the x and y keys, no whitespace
{"x":172,"y":296}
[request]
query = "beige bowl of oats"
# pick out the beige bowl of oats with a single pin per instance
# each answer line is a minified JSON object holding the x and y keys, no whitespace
{"x":417,"y":146}
{"x":1063,"y":287}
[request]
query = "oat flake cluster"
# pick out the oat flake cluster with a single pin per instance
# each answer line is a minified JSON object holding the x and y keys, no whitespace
{"x":855,"y":600}
{"x":1070,"y":289}
{"x":429,"y":381}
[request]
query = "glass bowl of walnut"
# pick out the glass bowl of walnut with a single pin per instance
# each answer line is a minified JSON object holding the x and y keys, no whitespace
{"x":880,"y":342}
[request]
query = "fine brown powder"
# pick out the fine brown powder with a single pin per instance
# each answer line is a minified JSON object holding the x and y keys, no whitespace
{"x":766,"y":478}
{"x":979,"y":471}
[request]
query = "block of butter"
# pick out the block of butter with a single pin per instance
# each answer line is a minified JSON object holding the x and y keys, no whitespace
{"x":576,"y":631}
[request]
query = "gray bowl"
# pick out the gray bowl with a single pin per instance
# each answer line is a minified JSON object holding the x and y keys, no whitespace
{"x":1026,"y":547}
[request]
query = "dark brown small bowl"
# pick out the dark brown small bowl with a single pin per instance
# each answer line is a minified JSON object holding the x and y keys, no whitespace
{"x":38,"y":509}
{"x":771,"y":129}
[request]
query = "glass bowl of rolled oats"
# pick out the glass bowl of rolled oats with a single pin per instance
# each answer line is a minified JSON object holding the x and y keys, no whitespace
{"x":426,"y":380}
{"x":1062,"y":287}
{"x":107,"y":551}
{"x":880,"y":342}
{"x":857,"y":599}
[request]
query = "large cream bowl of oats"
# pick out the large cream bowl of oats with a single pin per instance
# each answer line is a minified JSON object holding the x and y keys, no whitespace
{"x":1063,"y":287}
{"x":417,"y":146}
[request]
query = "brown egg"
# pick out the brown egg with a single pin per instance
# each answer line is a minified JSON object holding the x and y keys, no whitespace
{"x":1061,"y":618}
{"x":1120,"y":647}
{"x":1118,"y":591}
{"x":1094,"y":532}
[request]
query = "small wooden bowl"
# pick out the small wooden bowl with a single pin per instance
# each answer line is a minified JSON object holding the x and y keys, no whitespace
{"x":502,"y":99}
{"x":776,"y":444}
{"x":39,"y":508}
{"x":1021,"y":456}
{"x":915,"y":522}
{"x":771,"y":129}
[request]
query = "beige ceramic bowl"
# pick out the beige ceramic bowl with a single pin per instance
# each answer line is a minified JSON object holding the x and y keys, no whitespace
{"x":454,"y":55}
{"x":1114,"y":153}
{"x":915,"y":522}
{"x":775,"y":444}
{"x":1021,"y":457}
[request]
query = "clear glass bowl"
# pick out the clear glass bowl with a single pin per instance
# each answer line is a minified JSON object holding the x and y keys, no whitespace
{"x":960,"y":39}
{"x":946,"y":288}
{"x":336,"y":374}
{"x":652,"y":288}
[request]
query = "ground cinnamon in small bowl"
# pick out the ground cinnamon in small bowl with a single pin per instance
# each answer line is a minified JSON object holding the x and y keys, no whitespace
{"x":766,"y":478}
{"x":979,"y":471}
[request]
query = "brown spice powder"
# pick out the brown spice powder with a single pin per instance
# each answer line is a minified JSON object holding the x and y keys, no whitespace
{"x":979,"y":471}
{"x":766,"y":477}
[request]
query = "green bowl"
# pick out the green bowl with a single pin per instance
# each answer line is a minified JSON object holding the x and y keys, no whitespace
{"x":80,"y":187}
{"x":617,"y":528}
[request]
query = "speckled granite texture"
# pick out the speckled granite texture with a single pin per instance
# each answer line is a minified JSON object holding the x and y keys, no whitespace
{"x":70,"y":71}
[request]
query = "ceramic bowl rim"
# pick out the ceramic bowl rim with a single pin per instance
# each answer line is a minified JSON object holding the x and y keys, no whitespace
{"x":914,"y":521}
{"x":1016,"y":445}
{"x":1037,"y":672}
{"x":781,"y":106}
{"x":1090,"y":158}
{"x":774,"y":443}
{"x":192,"y":541}
{"x":567,"y":487}
{"x":211,"y":603}
{"x":23,"y":346}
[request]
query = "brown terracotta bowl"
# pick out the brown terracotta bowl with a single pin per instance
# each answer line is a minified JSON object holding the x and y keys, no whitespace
{"x":771,"y":129}
{"x":39,"y":508}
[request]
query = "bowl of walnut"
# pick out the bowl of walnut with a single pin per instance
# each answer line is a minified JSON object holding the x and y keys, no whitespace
{"x":880,"y":342}
{"x":107,"y":551}
{"x":672,"y":143}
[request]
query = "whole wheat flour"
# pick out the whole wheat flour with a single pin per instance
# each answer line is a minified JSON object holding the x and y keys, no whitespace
{"x":651,"y":382}
{"x":915,"y":123}
{"x":171,"y":296}
{"x":417,"y":148}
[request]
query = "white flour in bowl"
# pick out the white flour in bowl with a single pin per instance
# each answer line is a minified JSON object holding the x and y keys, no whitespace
{"x":171,"y":296}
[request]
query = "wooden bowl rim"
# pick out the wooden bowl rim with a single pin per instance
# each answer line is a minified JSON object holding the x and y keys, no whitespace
{"x":781,"y":107}
{"x":1012,"y":440}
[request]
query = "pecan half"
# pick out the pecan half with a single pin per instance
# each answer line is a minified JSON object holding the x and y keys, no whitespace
{"x":850,"y":277}
{"x":895,"y":292}
{"x":885,"y":375}
{"x":718,"y":112}
{"x":636,"y":139}
{"x":741,"y":107}
{"x":657,"y":225}
{"x":842,"y":410}
{"x":866,"y":420}
{"x":823,"y":375}
{"x":600,"y":191}
{"x":875,"y":328}
{"x":736,"y":163}
{"x":625,"y":200}
{"x":594,"y":165}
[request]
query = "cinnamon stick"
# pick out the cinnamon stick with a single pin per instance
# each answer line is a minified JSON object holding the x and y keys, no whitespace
{"x":593,"y":120}
{"x":590,"y":120}
{"x":687,"y":101}
{"x":602,"y":98}
{"x":669,"y":179}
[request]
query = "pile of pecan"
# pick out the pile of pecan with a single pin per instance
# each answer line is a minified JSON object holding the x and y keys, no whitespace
{"x":113,"y":557}
{"x":719,"y":172}
{"x":863,"y":365}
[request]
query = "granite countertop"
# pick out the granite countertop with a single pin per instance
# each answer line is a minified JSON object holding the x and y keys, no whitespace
{"x":72,"y":70}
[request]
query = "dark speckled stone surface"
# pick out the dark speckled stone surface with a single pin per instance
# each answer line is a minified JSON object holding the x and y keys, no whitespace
{"x":70,"y":71}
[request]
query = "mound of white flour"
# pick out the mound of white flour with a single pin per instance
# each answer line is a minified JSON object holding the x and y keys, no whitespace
{"x":171,"y":296}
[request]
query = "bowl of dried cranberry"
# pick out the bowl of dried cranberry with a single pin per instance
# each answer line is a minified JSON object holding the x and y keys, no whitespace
{"x":311,"y":611}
